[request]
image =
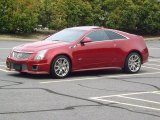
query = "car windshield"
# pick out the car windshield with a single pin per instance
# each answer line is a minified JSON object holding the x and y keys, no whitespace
{"x":66,"y":35}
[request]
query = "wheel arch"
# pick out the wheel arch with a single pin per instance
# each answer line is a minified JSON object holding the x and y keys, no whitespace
{"x":63,"y":54}
{"x":135,"y":51}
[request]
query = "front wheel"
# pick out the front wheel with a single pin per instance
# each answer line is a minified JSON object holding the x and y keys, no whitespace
{"x":61,"y":67}
{"x":133,"y":63}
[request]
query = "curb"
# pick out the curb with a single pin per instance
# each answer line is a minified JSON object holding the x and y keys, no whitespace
{"x":154,"y":38}
{"x":34,"y":40}
{"x":18,"y":39}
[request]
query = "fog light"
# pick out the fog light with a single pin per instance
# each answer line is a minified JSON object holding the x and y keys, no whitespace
{"x":34,"y":67}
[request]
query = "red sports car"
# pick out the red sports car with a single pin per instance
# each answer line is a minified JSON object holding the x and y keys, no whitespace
{"x":79,"y":49}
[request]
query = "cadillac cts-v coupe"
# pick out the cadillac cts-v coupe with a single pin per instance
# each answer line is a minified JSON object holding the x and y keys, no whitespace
{"x":79,"y":49}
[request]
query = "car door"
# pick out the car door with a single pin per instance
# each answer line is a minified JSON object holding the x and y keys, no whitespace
{"x":95,"y":54}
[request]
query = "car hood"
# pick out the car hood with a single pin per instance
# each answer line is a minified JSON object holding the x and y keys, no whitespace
{"x":38,"y":46}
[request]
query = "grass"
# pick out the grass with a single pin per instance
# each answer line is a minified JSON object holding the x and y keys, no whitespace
{"x":23,"y":36}
{"x":151,"y":35}
{"x":41,"y":34}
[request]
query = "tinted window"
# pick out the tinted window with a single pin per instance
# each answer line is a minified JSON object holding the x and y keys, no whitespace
{"x":112,"y":35}
{"x":67,"y":35}
{"x":98,"y":35}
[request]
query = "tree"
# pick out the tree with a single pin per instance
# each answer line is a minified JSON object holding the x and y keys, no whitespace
{"x":134,"y":15}
{"x":128,"y":15}
{"x":45,"y":13}
{"x":19,"y":15}
{"x":149,"y":16}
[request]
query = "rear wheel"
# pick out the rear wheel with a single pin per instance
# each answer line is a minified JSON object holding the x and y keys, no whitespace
{"x":61,"y":67}
{"x":133,"y":63}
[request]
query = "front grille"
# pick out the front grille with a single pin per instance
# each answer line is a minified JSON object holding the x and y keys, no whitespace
{"x":21,"y":55}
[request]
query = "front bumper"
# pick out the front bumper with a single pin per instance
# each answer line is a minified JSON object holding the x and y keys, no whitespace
{"x":28,"y":66}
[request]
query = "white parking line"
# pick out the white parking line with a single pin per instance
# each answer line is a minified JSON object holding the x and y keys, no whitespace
{"x":139,"y":99}
{"x":93,"y":78}
{"x":126,"y":94}
{"x":5,"y":70}
{"x":158,"y":92}
{"x":102,"y":98}
{"x":111,"y":76}
{"x":128,"y":104}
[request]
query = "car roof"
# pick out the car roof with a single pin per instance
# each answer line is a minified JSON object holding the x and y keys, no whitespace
{"x":85,"y":27}
{"x":88,"y":28}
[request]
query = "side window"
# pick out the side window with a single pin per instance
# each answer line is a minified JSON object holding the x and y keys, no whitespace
{"x":98,"y":35}
{"x":112,"y":35}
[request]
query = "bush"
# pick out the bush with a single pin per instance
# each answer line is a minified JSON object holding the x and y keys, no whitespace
{"x":128,"y":15}
{"x":134,"y":15}
{"x":149,"y":17}
{"x":68,"y":13}
{"x":18,"y":15}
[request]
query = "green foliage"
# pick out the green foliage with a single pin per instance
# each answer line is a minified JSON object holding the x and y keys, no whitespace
{"x":67,"y":13}
{"x":134,"y":15}
{"x":18,"y":15}
{"x":45,"y":13}
{"x":149,"y":15}
{"x":59,"y":15}
{"x":129,"y":15}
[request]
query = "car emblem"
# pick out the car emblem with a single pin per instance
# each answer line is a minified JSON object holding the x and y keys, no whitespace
{"x":19,"y":55}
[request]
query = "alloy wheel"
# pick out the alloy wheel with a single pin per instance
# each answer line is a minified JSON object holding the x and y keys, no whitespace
{"x":134,"y":63}
{"x":61,"y":67}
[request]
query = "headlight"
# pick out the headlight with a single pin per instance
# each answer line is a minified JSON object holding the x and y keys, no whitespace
{"x":40,"y":55}
{"x":11,"y":54}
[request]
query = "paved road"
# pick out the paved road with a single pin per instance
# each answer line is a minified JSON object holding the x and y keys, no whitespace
{"x":95,"y":95}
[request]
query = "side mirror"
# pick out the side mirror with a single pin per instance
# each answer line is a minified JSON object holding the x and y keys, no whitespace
{"x":86,"y":40}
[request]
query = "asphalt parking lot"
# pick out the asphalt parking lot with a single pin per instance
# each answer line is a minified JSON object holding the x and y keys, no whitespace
{"x":93,"y":95}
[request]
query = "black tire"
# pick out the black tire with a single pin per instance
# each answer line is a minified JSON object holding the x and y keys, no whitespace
{"x":22,"y":73}
{"x":58,"y":68}
{"x":131,"y":64}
